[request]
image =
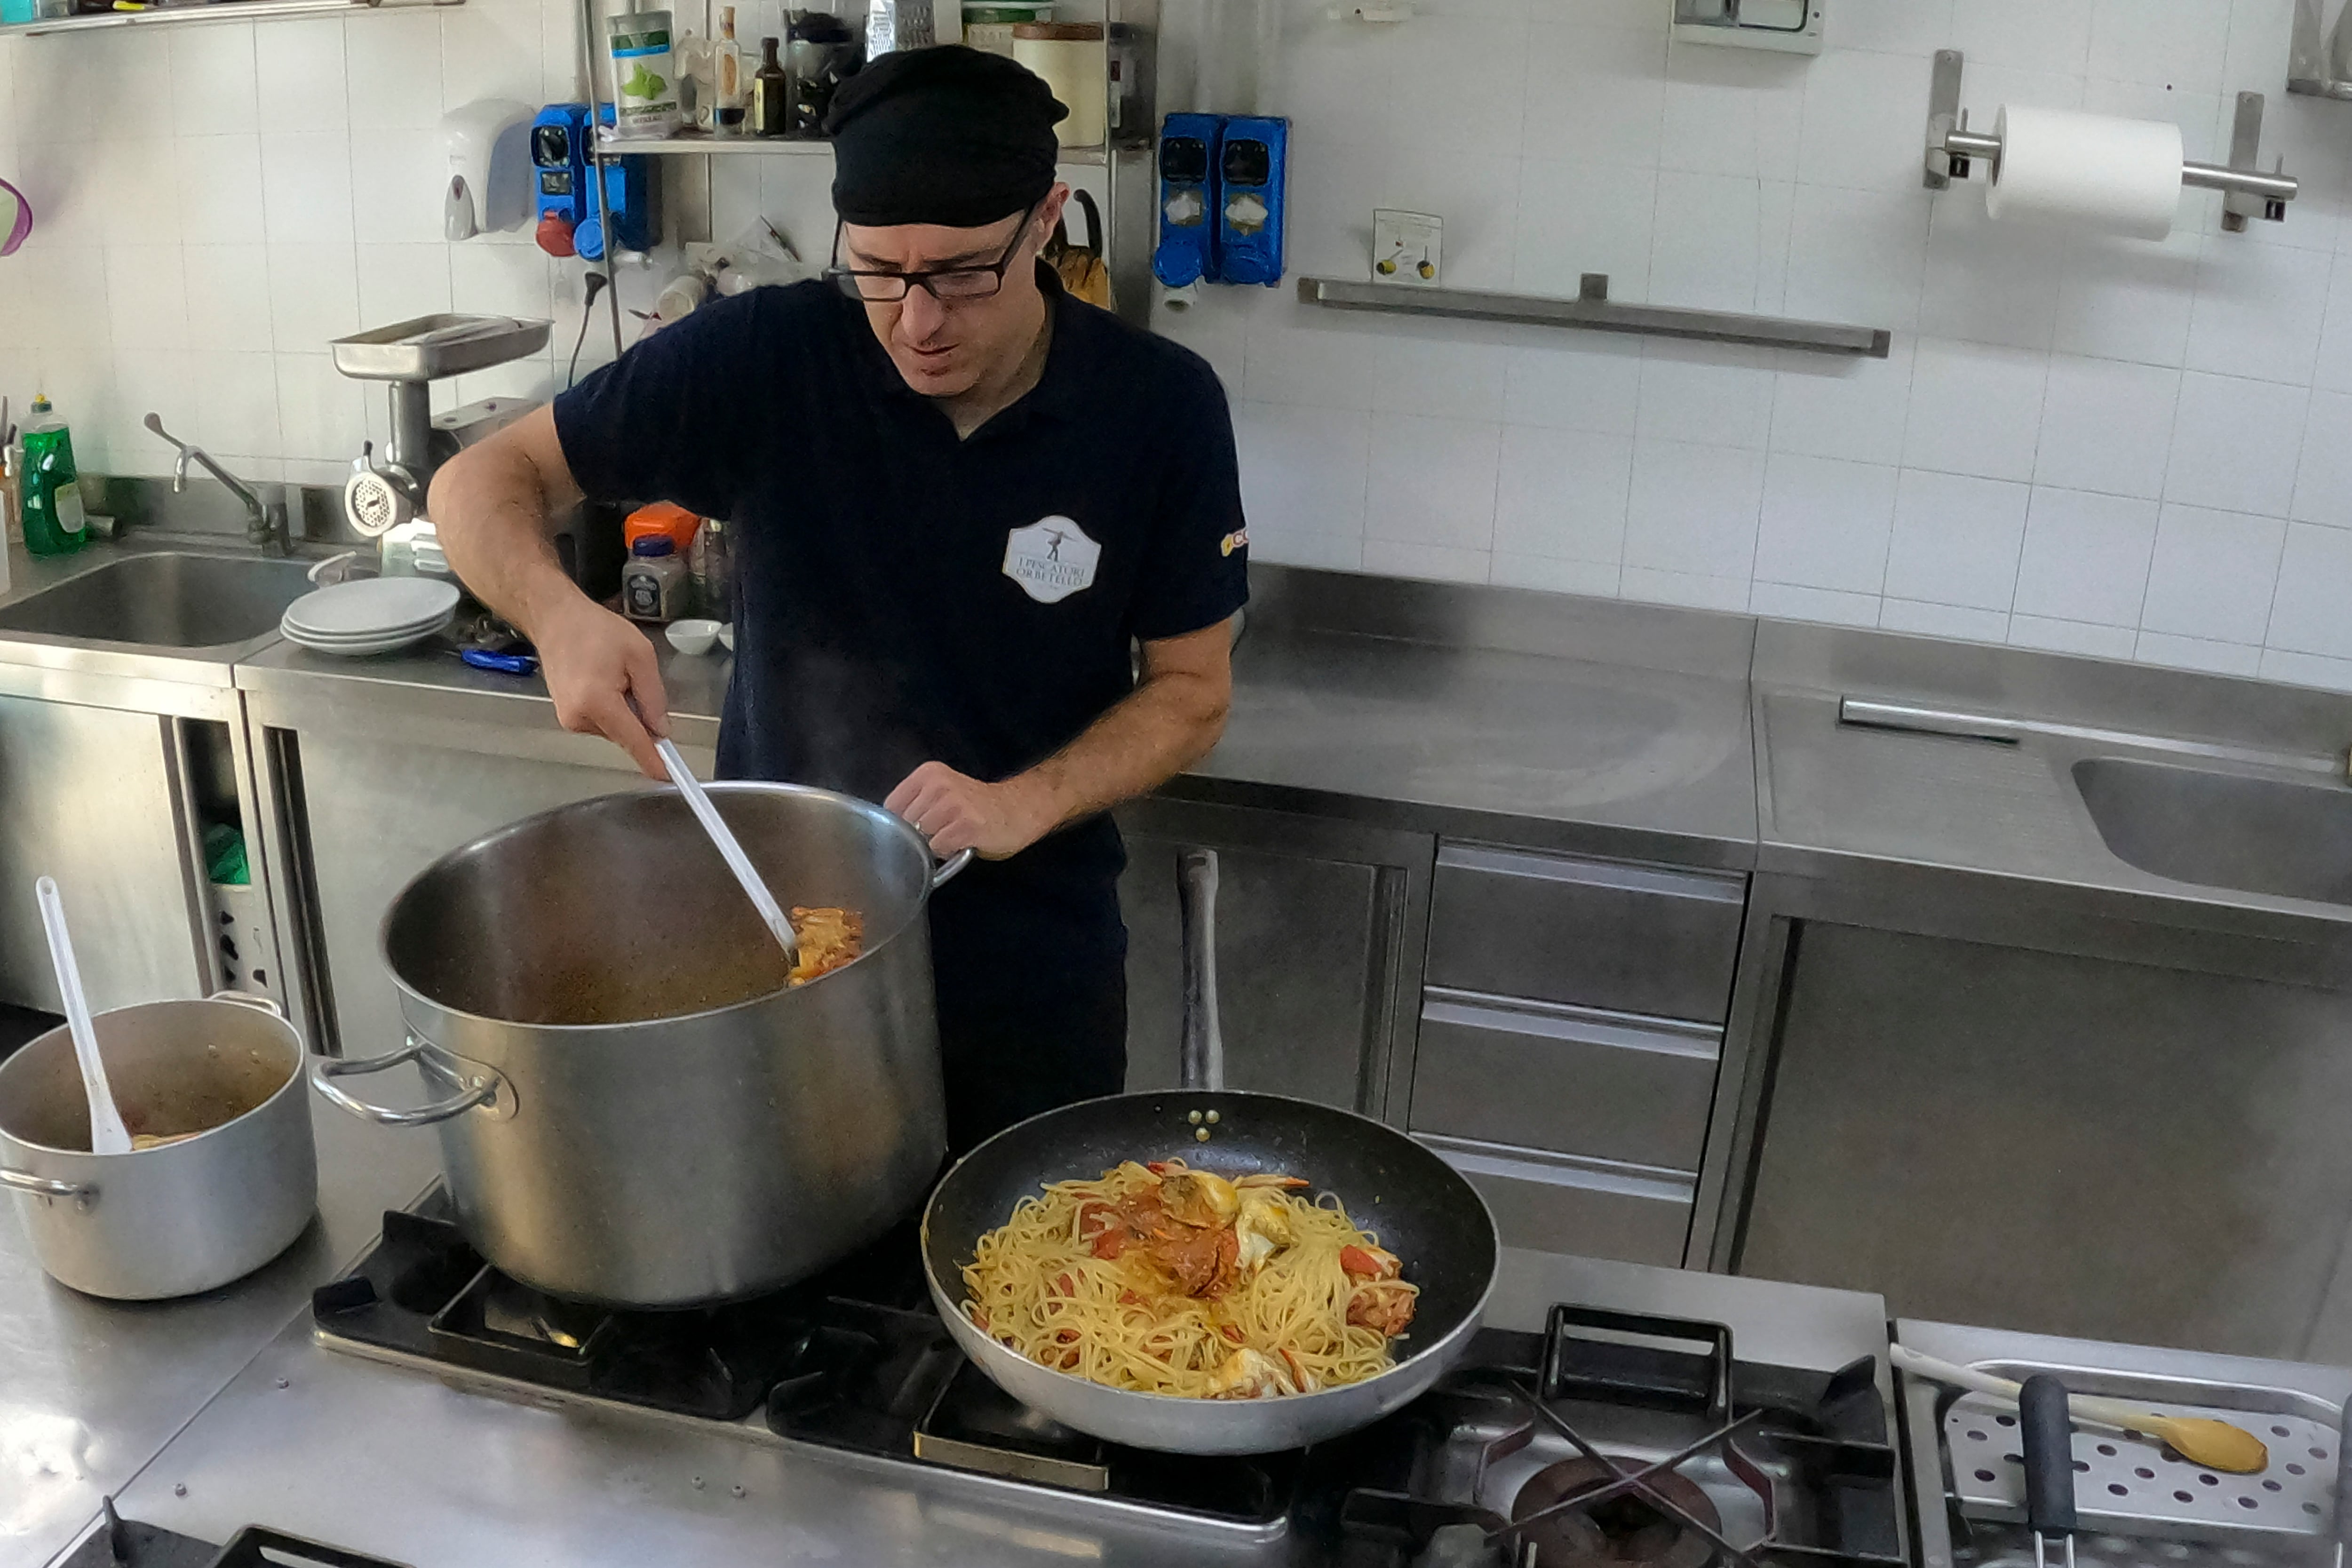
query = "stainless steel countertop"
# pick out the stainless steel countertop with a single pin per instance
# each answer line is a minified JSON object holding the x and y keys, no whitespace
{"x":89,"y":1390}
{"x":449,"y":1473}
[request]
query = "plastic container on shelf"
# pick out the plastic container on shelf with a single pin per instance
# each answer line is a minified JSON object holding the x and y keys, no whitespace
{"x":654,"y":583}
{"x":1074,"y":60}
{"x":661,"y":520}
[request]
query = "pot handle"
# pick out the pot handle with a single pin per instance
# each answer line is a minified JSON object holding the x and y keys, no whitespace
{"x":48,"y":1187}
{"x":482,"y":1089}
{"x":250,"y":999}
{"x":945,"y":872}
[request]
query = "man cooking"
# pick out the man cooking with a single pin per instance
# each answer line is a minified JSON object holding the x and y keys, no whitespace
{"x":959,"y":498}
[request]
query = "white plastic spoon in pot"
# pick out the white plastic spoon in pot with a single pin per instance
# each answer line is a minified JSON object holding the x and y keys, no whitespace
{"x":705,"y":813}
{"x":107,"y":1133}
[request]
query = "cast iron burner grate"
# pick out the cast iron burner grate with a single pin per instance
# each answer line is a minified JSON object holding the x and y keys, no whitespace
{"x":1606,"y":1443}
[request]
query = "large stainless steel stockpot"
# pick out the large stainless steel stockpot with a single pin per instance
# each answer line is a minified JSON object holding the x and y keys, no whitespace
{"x":240,"y":1182}
{"x":633,"y":1109}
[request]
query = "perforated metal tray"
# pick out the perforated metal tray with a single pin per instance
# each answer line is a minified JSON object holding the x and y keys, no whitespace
{"x":2134,"y":1485}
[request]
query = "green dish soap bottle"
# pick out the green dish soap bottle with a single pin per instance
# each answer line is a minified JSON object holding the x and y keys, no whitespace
{"x":51,"y":497}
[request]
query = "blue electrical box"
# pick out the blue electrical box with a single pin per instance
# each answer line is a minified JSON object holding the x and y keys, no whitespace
{"x":1186,"y":252}
{"x":1251,"y":162}
{"x":570,"y":219}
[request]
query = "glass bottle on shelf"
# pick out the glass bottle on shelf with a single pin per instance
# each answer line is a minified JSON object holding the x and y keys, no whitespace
{"x":729,"y":92}
{"x":770,"y":94}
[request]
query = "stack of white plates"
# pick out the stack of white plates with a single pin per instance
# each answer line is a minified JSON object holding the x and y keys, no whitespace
{"x":375,"y":614}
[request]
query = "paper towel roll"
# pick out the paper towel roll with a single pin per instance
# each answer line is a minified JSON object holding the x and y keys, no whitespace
{"x":2088,"y":170}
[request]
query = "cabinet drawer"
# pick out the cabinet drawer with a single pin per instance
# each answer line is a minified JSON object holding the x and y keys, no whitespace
{"x":1570,"y":1079}
{"x":1589,"y":1208}
{"x":1597,"y":934}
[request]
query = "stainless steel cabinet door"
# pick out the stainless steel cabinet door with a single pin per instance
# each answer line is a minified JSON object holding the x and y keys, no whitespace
{"x":1319,"y":929}
{"x":2064,"y":1145}
{"x":90,"y":798}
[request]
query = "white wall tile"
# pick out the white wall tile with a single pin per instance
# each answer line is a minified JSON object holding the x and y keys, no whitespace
{"x":1788,"y":602}
{"x":2306,"y":670}
{"x":2107,"y":425}
{"x":1693,"y":589}
{"x":1582,"y":382}
{"x":398,"y":282}
{"x":1956,"y":539}
{"x":1693,"y":509}
{"x":2129,"y":298}
{"x":489,"y":49}
{"x":314,"y":297}
{"x":213,"y":83}
{"x":1562,"y":493}
{"x":2166,"y":43}
{"x":1303,"y":469}
{"x":1594,"y":92}
{"x":1825,"y":523}
{"x":2212,"y":575}
{"x":1436,"y":563}
{"x":1986,"y":282}
{"x":228,"y":297}
{"x":2333,"y":369}
{"x":2323,"y":485}
{"x":2071,"y":636}
{"x":1856,"y":256}
{"x":1924,"y":618}
{"x":392,"y":63}
{"x":138,"y":66}
{"x":147,"y":297}
{"x":2087,"y":557}
{"x":1553,"y":575}
{"x":1731,"y":112}
{"x":2235,"y":444}
{"x":1580,"y":217}
{"x":1330,"y":551}
{"x":1975,"y":410}
{"x":1432,"y":481}
{"x":1434,"y":374}
{"x":405,"y":175}
{"x":320,"y":410}
{"x":1329,"y":367}
{"x":498,"y":279}
{"x":299,"y":72}
{"x":2042,"y":35}
{"x":1827,"y":405}
{"x":1894,"y":26}
{"x":2197,"y":653}
{"x":306,"y":186}
{"x":1713,"y":393}
{"x":2259,"y":311}
{"x":238,"y":412}
{"x":1706,"y":241}
{"x":2315,"y":586}
{"x":219,"y":184}
{"x":1861,"y":121}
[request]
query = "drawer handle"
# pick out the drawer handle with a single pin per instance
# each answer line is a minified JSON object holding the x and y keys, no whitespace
{"x":1658,"y":881}
{"x":1559,"y":1021}
{"x":1594,"y":1176}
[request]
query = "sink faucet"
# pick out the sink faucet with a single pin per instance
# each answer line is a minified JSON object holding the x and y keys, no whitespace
{"x":266,"y":523}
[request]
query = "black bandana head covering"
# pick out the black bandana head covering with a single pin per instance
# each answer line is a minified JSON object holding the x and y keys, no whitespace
{"x":946,"y":135}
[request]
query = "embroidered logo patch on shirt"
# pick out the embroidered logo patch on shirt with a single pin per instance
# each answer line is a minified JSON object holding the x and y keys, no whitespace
{"x":1233,"y":541}
{"x":1051,"y":559}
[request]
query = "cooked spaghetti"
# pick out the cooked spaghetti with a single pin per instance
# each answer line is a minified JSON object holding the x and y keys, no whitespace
{"x":1163,"y":1279}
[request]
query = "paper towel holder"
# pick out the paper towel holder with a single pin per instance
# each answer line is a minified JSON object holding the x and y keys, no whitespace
{"x":2248,"y":192}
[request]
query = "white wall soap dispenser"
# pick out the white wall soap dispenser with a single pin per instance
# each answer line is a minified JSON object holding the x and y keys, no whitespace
{"x":489,"y":168}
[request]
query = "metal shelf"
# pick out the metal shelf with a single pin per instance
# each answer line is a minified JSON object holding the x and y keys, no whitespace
{"x":1594,"y":311}
{"x":698,"y":145}
{"x":199,"y":14}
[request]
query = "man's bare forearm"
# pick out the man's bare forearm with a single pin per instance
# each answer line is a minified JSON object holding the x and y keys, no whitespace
{"x":1159,"y":729}
{"x":491,"y":505}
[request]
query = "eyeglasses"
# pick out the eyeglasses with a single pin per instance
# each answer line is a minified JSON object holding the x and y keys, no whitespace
{"x":948,"y":285}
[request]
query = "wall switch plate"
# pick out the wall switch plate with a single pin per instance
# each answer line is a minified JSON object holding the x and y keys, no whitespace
{"x":1791,"y":27}
{"x":1407,"y":247}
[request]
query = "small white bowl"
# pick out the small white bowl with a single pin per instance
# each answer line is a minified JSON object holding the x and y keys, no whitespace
{"x":693,"y":636}
{"x":726,"y":637}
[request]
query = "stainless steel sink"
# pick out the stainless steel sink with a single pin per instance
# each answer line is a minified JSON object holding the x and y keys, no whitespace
{"x":165,"y":599}
{"x":2252,"y":835}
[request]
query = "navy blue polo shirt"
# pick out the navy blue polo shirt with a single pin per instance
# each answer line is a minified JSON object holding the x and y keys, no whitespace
{"x":903,"y":595}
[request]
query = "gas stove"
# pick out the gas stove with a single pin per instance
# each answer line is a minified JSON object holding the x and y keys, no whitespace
{"x":1604,"y":1437}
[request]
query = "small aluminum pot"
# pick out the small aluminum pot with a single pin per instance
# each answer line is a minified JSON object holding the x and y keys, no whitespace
{"x":182,"y":1217}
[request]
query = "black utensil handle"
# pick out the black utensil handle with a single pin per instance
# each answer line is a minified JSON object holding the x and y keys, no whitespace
{"x":2047,"y":1427}
{"x":1201,"y":1052}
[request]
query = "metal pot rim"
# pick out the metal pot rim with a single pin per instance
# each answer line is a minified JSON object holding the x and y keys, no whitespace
{"x":297,"y":1076}
{"x":894,"y":822}
{"x":981,"y":1348}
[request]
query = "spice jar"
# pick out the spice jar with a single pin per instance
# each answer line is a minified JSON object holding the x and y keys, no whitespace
{"x":1071,"y":58}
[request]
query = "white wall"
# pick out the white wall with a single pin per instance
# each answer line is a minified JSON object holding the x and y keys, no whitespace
{"x":2127,"y":448}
